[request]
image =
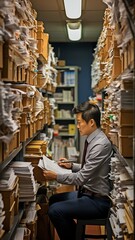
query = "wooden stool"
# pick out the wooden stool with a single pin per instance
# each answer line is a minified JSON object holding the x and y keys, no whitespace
{"x":81,"y":224}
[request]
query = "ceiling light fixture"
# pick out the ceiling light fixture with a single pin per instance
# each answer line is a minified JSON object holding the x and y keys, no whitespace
{"x":73,"y":8}
{"x":74,"y":31}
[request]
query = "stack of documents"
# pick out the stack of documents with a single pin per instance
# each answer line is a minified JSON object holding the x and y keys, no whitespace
{"x":27,"y":184}
{"x":121,"y":217}
{"x":22,"y":233}
{"x":7,"y":179}
{"x":125,"y":98}
{"x":2,"y":216}
{"x":30,"y":214}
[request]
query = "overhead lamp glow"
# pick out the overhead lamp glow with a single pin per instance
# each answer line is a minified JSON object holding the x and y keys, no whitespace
{"x":73,"y":8}
{"x":74,"y":31}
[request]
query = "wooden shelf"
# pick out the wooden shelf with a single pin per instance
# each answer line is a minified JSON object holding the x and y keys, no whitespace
{"x":10,"y":158}
{"x":64,"y":119}
{"x":65,"y":86}
{"x":65,"y":135}
{"x":65,"y":102}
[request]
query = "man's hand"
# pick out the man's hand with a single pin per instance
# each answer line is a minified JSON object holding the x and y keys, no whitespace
{"x":49,"y":175}
{"x":62,"y":163}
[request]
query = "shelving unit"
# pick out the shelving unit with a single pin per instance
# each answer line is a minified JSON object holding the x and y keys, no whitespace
{"x":66,"y":97}
{"x":31,"y":88}
{"x":113,"y":78}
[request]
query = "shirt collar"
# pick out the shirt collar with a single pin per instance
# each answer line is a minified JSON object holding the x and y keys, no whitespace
{"x":93,"y":135}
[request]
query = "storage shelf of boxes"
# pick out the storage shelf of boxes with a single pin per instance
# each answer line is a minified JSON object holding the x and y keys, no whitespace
{"x":27,"y":83}
{"x":112,"y":76}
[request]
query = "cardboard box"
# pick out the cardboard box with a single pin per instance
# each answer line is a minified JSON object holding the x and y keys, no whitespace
{"x":30,"y":130}
{"x":116,"y":50}
{"x":23,"y":74}
{"x":7,"y":148}
{"x":33,"y":158}
{"x":8,"y":196}
{"x":108,"y":42}
{"x":40,"y":35}
{"x":61,"y":63}
{"x":43,"y":46}
{"x":46,"y":45}
{"x":132,"y":53}
{"x":125,"y":58}
{"x":127,"y":85}
{"x":41,"y":143}
{"x":18,"y":74}
{"x":15,"y":142}
{"x":114,"y":138}
{"x":59,"y":78}
{"x":125,"y":117}
{"x":40,"y":26}
{"x":9,"y":219}
{"x":24,"y":118}
{"x":41,"y":81}
{"x":5,"y":151}
{"x":1,"y":54}
{"x":38,"y":174}
{"x":126,"y":130}
{"x":122,"y":62}
{"x":1,"y":157}
{"x":23,"y":132}
{"x":40,"y":46}
{"x":7,"y":70}
{"x":126,"y":146}
{"x":116,"y":69}
{"x":27,"y":75}
{"x":33,"y":149}
{"x":16,"y":206}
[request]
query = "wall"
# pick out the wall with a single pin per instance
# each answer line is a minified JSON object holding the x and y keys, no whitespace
{"x":78,"y":54}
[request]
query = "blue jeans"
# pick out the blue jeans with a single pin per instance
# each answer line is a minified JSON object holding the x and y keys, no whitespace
{"x":65,"y":207}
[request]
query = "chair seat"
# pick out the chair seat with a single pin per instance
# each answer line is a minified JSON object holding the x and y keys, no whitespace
{"x":81,"y":224}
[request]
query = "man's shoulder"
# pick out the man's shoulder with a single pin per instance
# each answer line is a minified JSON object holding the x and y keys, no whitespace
{"x":102,"y":138}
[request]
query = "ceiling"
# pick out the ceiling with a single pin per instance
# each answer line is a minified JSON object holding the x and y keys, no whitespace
{"x":52,"y":13}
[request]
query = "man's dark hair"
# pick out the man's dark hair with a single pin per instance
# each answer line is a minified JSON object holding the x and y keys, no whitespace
{"x":89,"y":111}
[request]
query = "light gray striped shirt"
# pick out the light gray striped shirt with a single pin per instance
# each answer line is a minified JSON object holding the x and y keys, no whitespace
{"x":94,"y":174}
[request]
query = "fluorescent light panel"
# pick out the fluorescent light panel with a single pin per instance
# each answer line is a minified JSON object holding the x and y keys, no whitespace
{"x":74,"y":34}
{"x":73,"y":8}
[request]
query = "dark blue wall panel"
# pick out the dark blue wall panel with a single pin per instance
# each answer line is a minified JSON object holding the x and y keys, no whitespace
{"x":78,"y":54}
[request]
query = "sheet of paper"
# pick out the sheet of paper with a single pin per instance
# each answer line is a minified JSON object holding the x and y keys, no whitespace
{"x":19,"y":233}
{"x":48,"y":164}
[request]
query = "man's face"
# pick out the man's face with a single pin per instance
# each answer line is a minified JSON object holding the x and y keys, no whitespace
{"x":84,"y":127}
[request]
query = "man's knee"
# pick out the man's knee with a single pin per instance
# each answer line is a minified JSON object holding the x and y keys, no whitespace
{"x":53,"y":211}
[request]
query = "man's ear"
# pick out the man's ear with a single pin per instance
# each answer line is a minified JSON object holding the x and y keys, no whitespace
{"x":92,"y":122}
